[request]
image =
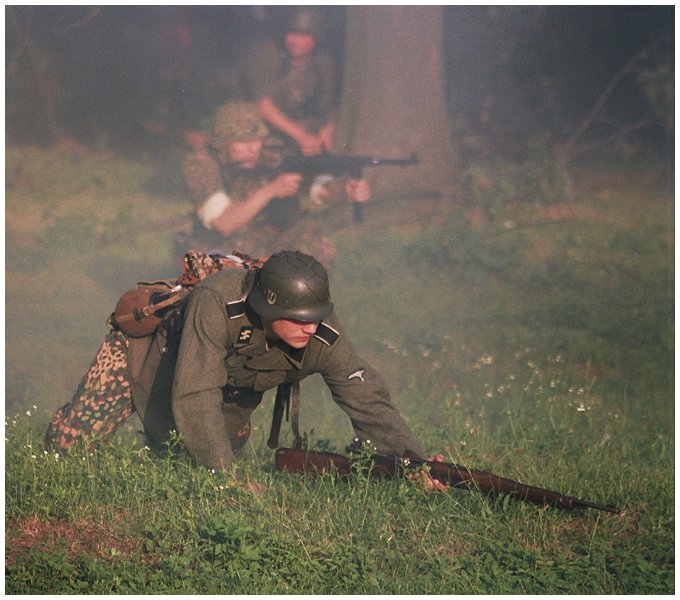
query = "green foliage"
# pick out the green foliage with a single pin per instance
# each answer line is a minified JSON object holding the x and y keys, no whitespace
{"x":541,"y":352}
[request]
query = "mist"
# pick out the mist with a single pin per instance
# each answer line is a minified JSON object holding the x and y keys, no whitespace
{"x":99,"y":102}
{"x":123,"y":76}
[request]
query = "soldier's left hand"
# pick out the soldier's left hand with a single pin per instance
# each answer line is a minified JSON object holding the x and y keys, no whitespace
{"x":430,"y":483}
{"x":358,"y":190}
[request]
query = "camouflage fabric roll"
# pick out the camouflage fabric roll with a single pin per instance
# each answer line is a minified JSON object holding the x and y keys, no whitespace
{"x":102,"y":401}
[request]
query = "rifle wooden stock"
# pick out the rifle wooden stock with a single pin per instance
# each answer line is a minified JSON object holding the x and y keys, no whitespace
{"x":303,"y":461}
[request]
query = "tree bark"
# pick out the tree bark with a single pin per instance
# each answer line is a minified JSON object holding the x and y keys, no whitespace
{"x":394,"y":100}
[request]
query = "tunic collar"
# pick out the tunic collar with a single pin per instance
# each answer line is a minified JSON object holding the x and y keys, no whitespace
{"x":279,"y":357}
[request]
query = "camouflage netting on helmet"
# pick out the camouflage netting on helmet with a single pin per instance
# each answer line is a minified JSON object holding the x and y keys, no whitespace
{"x":237,"y":122}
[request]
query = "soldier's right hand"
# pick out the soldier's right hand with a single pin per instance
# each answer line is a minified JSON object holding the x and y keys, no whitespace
{"x":286,"y":184}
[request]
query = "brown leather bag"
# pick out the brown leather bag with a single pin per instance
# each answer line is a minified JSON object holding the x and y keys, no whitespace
{"x":141,"y":310}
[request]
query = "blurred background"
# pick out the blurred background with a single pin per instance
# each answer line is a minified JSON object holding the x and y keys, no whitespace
{"x":556,"y":234}
{"x":119,"y":76}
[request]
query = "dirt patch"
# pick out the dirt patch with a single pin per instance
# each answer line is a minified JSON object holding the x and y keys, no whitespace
{"x":80,"y":536}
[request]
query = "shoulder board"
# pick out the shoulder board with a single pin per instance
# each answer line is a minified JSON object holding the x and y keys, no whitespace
{"x":236,"y":309}
{"x":326,"y":334}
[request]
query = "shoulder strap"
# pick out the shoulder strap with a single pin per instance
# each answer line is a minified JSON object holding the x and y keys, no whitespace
{"x":287,"y":397}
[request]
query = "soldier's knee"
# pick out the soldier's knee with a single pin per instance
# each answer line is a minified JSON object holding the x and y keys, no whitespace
{"x":240,"y":438}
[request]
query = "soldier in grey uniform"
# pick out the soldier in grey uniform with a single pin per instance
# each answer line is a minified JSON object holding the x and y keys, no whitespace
{"x":238,"y":343}
{"x":242,"y":332}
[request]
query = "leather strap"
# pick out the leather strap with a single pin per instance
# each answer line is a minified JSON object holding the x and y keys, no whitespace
{"x":295,"y":415}
{"x":168,"y":300}
{"x":287,"y":397}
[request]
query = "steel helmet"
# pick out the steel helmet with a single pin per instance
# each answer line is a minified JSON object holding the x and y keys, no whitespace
{"x":291,"y":285}
{"x":307,"y":19}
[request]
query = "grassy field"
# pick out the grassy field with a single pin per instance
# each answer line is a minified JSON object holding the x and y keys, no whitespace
{"x":529,"y":336}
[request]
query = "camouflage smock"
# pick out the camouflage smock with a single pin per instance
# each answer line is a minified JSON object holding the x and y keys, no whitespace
{"x":283,"y":223}
{"x":224,"y":360}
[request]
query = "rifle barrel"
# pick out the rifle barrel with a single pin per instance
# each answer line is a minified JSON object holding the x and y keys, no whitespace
{"x":486,"y":482}
{"x":457,"y":476}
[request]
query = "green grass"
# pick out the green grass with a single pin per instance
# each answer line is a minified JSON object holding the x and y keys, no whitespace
{"x":538,"y":348}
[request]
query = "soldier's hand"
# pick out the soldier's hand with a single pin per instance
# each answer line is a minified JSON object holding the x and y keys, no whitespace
{"x":430,"y":483}
{"x":358,"y":190}
{"x":286,"y":184}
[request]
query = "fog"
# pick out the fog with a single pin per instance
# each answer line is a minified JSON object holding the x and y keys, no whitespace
{"x":123,"y":74}
{"x":85,"y":84}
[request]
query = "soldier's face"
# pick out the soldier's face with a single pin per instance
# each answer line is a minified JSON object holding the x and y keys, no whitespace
{"x":245,"y":154}
{"x":294,"y":333}
{"x":299,"y":44}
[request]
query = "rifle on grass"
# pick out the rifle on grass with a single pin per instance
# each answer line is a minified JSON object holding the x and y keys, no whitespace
{"x":335,"y":164}
{"x":304,"y":461}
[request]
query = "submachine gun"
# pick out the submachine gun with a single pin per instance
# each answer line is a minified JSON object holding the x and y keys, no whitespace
{"x":334,"y":164}
{"x":300,"y":461}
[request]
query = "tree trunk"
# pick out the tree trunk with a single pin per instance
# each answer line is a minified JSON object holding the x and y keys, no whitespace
{"x":393,"y":98}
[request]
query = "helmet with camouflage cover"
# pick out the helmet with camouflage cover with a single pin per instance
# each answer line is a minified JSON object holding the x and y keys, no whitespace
{"x":306,"y":19}
{"x":291,"y":285}
{"x":237,"y":122}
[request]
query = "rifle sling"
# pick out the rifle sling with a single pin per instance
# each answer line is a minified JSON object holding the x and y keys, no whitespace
{"x":287,"y":400}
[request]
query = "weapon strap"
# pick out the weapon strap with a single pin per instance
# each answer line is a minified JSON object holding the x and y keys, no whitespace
{"x":287,"y":397}
{"x":168,"y":300}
